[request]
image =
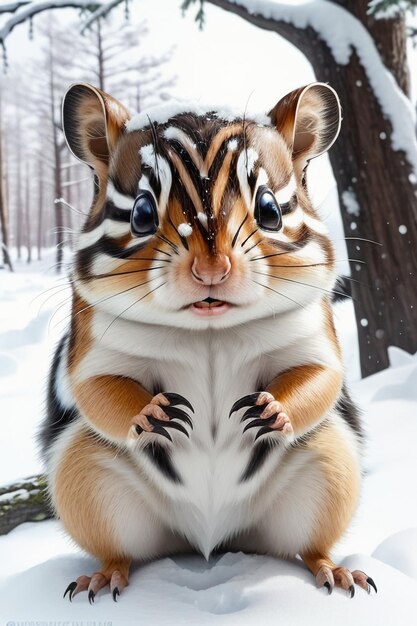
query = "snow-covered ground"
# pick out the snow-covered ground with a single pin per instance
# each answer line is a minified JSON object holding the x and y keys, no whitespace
{"x":37,"y":561}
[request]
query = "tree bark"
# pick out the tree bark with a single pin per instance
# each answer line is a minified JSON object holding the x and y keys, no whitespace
{"x":40,"y":208}
{"x":59,"y":218}
{"x":4,"y":222}
{"x":365,"y":164}
{"x":3,"y":219}
{"x":19,"y":211}
{"x":100,"y":59}
{"x":25,"y":501}
{"x":27,"y":216}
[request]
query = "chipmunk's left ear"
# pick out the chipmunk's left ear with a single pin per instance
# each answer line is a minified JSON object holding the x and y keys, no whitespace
{"x":309,"y":119}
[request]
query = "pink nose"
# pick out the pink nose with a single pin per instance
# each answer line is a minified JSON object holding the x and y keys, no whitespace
{"x":211,"y":271}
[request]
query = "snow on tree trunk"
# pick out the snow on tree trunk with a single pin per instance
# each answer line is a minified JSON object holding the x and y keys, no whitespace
{"x":375,"y":177}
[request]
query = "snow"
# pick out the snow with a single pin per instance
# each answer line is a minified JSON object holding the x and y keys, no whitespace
{"x":202,"y":218}
{"x":164,"y":112}
{"x":38,"y":561}
{"x":31,"y":323}
{"x":26,"y":12}
{"x":350,"y":203}
{"x":344,"y":34}
{"x":185,"y":230}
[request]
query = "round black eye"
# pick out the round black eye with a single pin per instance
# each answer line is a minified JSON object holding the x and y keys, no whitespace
{"x":144,"y":219}
{"x":268,"y":213}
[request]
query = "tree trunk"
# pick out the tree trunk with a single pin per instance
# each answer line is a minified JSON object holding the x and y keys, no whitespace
{"x":27,"y":216}
{"x":19,"y":212}
{"x":100,"y":58}
{"x":25,"y":501}
{"x":3,"y":218}
{"x":59,"y":221}
{"x":4,"y":223}
{"x":380,"y":179}
{"x":40,"y":208}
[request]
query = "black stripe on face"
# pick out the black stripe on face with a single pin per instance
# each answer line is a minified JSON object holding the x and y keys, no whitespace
{"x":111,"y":211}
{"x":287,"y":246}
{"x":108,"y":211}
{"x":105,"y":245}
{"x":188,"y":163}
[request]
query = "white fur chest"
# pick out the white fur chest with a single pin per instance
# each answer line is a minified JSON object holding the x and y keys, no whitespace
{"x":212,"y":369}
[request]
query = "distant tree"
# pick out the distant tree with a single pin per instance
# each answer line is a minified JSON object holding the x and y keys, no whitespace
{"x":110,"y":55}
{"x":4,"y":217}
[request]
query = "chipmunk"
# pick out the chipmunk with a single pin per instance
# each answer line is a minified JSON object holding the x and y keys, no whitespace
{"x":197,"y":401}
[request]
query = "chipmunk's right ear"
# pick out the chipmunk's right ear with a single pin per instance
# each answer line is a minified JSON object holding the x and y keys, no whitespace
{"x":92,"y":122}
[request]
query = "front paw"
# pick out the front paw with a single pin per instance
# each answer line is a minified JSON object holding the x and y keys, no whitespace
{"x":267,"y":413}
{"x":159,"y":415}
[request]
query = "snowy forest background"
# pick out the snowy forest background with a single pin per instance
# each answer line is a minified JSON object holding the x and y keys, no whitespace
{"x":145,"y":52}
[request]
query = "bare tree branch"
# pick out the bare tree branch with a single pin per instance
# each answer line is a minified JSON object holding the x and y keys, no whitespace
{"x":11,"y":7}
{"x":102,"y":11}
{"x":28,"y":9}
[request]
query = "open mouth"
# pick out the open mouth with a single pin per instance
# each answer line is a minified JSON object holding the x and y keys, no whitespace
{"x":210,"y":306}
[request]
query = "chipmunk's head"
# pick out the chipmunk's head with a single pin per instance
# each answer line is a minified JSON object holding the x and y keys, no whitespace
{"x":201,"y":217}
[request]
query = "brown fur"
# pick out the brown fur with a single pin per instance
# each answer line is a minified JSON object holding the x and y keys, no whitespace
{"x":296,"y":388}
{"x":110,"y":403}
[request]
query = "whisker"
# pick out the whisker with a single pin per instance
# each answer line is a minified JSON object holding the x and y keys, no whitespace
{"x":130,"y":260}
{"x":166,"y":240}
{"x":61,"y":291}
{"x":278,"y":293}
{"x":247,"y":238}
{"x":90,"y":306}
{"x":131,"y":305}
{"x":162,"y":251}
{"x":115,"y":274}
{"x":267,"y":256}
{"x":57,"y":288}
{"x":119,"y":293}
{"x":354,"y":280}
{"x":317,"y":264}
{"x":297,"y":282}
{"x":252,"y":247}
{"x":377,"y":243}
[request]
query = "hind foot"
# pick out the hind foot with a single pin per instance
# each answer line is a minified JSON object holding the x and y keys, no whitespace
{"x":330,"y":575}
{"x":116,"y":579}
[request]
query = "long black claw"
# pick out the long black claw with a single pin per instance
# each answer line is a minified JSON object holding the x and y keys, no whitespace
{"x":253,"y":411}
{"x":371,"y":582}
{"x":91,"y":596}
{"x":162,"y":423}
{"x":260,"y":422}
{"x":263,"y":431}
{"x":175,"y":398}
{"x":115,"y":593}
{"x":245,"y":401}
{"x":352,"y":591}
{"x":138,"y":429}
{"x":159,"y":430}
{"x":328,"y":587}
{"x":71,"y":588}
{"x":178,"y":414}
